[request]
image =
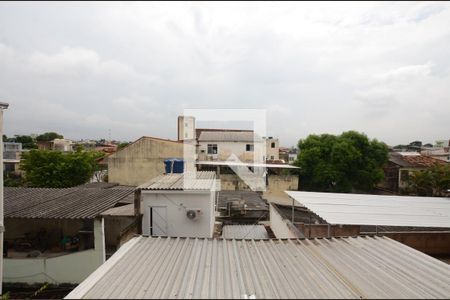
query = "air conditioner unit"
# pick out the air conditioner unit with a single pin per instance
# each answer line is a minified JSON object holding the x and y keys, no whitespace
{"x":193,"y":213}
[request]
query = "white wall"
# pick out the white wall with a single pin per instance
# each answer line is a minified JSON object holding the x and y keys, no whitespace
{"x":237,"y":148}
{"x":177,"y":203}
{"x":70,"y":268}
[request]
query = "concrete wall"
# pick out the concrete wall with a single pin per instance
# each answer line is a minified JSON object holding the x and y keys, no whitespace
{"x":225,"y":149}
{"x":282,"y":228}
{"x":70,"y":268}
{"x":114,"y":227}
{"x":177,"y":204}
{"x":277,"y":183}
{"x":142,"y":160}
{"x":272,"y":152}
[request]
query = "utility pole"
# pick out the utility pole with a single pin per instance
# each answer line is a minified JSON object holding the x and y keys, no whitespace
{"x":3,"y":106}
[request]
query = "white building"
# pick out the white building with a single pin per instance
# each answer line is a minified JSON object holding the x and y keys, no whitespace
{"x":231,"y":145}
{"x":272,"y":148}
{"x":181,"y":205}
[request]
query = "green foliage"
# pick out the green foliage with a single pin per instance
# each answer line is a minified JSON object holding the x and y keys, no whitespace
{"x":122,"y":145}
{"x":434,"y":181}
{"x":6,"y":296}
{"x":56,"y":169}
{"x":341,"y":163}
{"x":48,"y":136}
{"x":27,"y":141}
{"x":12,"y":180}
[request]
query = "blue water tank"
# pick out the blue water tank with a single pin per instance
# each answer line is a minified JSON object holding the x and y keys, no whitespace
{"x":174,"y":165}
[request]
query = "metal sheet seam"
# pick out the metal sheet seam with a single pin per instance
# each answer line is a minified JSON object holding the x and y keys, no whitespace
{"x":337,"y":273}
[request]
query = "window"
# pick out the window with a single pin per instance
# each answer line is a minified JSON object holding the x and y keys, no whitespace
{"x":273,"y":145}
{"x":212,"y":148}
{"x":272,"y":157}
{"x":249,"y":147}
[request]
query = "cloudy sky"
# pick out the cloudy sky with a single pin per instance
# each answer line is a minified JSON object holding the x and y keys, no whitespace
{"x":84,"y":69}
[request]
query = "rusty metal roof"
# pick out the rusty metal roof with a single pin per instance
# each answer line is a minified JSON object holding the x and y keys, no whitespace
{"x":353,"y":267}
{"x":67,"y":203}
{"x":182,"y":181}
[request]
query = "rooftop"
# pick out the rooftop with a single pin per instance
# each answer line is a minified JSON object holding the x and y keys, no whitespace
{"x":362,"y":209}
{"x":241,"y":232}
{"x":228,"y":136}
{"x":80,"y":202}
{"x":200,"y":180}
{"x":414,"y":160}
{"x":354,"y":267}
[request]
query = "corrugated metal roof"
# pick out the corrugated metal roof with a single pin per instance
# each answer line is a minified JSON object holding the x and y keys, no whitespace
{"x":67,"y":203}
{"x":229,"y":136}
{"x":354,"y":267}
{"x":201,"y":180}
{"x":361,"y":209}
{"x":249,"y":232}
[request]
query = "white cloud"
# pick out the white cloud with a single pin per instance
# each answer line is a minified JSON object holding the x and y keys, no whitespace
{"x":317,"y":67}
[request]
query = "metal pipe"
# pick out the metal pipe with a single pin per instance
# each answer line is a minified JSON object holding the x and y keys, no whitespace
{"x":329,"y":230}
{"x":3,"y":106}
{"x":293,"y":211}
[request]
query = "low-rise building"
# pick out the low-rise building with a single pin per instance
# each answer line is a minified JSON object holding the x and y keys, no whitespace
{"x":63,"y":235}
{"x":142,"y":160}
{"x":180,"y":205}
{"x":399,"y":167}
{"x":11,"y":157}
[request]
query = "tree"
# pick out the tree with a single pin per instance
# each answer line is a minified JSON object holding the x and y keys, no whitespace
{"x":27,"y":141}
{"x":341,"y":163}
{"x":122,"y":145}
{"x":434,"y":181}
{"x":55,"y":169}
{"x":48,"y":136}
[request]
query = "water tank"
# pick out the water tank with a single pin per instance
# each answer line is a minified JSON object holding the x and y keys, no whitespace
{"x":174,"y":165}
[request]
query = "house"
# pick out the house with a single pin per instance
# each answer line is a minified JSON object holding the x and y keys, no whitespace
{"x":223,"y":144}
{"x":11,"y":157}
{"x":179,"y":204}
{"x":401,"y":165}
{"x":350,"y":267}
{"x":142,"y":160}
{"x":272,"y":149}
{"x":64,"y":145}
{"x":442,"y":153}
{"x":63,"y":235}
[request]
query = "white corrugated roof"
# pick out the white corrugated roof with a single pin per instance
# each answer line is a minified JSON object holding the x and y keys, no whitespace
{"x":361,"y":209}
{"x":354,"y":267}
{"x":249,"y":232}
{"x":201,"y":180}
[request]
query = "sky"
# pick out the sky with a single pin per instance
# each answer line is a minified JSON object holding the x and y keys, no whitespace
{"x":94,"y":70}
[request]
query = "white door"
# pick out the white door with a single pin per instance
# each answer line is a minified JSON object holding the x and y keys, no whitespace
{"x":158,"y":221}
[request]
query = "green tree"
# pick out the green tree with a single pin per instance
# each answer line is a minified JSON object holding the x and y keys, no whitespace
{"x":27,"y":141}
{"x":122,"y":145}
{"x":48,"y":136}
{"x":55,"y":169}
{"x":342,"y":163}
{"x":434,"y":181}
